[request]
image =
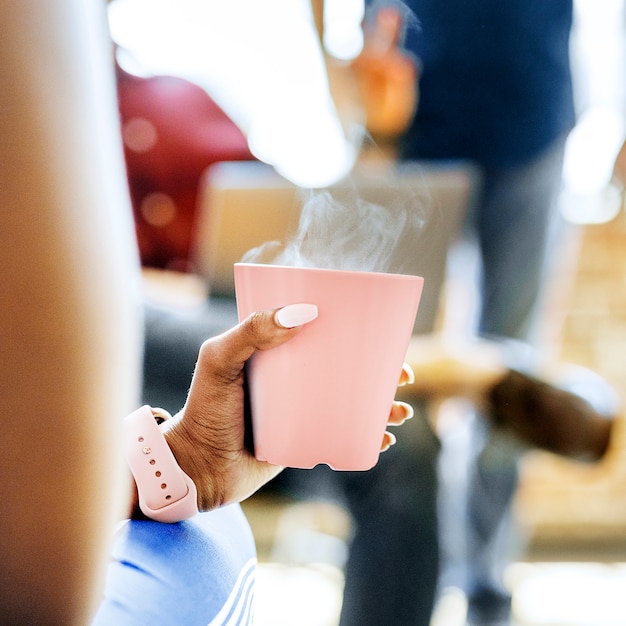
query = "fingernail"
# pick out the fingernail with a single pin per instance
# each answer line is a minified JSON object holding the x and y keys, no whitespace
{"x":410,"y":375}
{"x":295,"y":315}
{"x":409,"y":412}
{"x":391,"y":441}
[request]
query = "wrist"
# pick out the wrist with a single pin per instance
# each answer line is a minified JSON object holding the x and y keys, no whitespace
{"x":191,"y":457}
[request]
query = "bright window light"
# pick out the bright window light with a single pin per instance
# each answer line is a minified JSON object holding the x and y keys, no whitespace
{"x":260,"y":61}
{"x":343,"y":32}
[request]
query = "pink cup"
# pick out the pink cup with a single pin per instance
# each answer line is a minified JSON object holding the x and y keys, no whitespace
{"x":325,"y":395}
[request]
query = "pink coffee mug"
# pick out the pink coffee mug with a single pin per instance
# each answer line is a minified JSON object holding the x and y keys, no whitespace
{"x":325,"y":395}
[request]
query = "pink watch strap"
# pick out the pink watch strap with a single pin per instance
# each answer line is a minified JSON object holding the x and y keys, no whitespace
{"x":166,"y":493}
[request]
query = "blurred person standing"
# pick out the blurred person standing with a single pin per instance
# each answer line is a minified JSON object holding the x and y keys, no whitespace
{"x":495,"y":89}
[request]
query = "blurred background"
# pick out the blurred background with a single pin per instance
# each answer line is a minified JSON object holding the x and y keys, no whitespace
{"x":572,"y":567}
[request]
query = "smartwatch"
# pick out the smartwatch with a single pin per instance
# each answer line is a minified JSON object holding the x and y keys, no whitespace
{"x":166,"y":493}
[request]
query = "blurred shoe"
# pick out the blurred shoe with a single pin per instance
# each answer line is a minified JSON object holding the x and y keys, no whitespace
{"x":488,"y":607}
{"x":548,"y":417}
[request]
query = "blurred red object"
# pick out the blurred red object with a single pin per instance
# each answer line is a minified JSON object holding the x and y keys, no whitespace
{"x":172,"y":131}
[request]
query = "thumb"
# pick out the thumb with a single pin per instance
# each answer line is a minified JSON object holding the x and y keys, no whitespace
{"x":261,"y":330}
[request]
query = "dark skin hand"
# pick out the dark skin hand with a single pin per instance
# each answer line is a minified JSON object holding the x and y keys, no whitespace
{"x":207,"y":435}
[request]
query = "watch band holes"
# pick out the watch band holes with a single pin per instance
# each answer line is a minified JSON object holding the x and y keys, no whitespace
{"x":152,"y":461}
{"x":163,"y":485}
{"x":157,"y":473}
{"x":140,"y":439}
{"x":168,"y":497}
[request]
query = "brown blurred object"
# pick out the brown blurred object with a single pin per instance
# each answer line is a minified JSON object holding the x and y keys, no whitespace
{"x":549,"y":418}
{"x":539,"y":412}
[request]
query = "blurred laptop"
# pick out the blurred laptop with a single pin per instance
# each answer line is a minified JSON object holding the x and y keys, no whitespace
{"x":243,"y":205}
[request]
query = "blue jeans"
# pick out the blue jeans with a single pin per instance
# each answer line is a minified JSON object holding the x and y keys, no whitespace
{"x":516,"y":225}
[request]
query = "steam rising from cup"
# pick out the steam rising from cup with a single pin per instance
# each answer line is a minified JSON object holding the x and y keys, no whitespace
{"x":339,"y":229}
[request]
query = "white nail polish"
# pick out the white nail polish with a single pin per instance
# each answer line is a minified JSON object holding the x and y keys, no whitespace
{"x":408,"y":370}
{"x":409,"y":412}
{"x":390,"y":441}
{"x":296,"y":314}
